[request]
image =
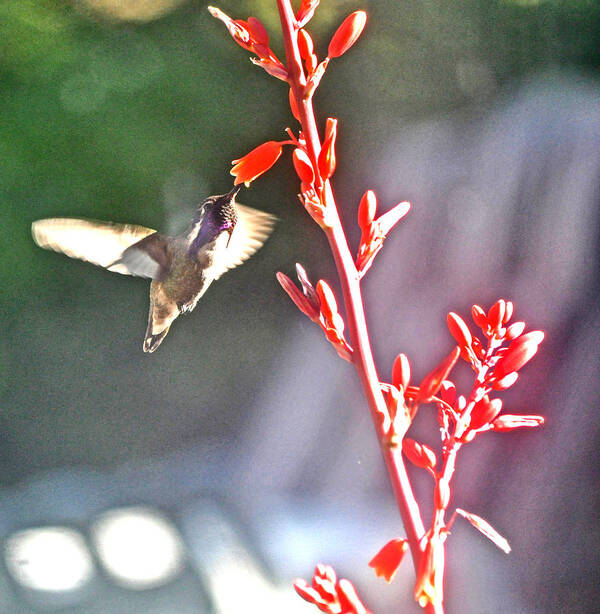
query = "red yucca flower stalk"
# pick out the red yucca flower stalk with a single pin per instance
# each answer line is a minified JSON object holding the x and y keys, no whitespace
{"x":496,"y":355}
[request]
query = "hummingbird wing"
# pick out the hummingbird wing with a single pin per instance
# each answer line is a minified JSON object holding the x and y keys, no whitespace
{"x":147,"y":258}
{"x":101,"y":243}
{"x":250,"y":232}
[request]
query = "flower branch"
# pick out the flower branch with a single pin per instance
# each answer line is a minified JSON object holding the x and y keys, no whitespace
{"x":495,"y":361}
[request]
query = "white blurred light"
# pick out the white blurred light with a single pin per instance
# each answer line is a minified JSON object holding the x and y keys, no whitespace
{"x":139,"y":547}
{"x":49,"y":559}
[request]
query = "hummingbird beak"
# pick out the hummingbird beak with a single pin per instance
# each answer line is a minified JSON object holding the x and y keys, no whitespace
{"x":231,"y":195}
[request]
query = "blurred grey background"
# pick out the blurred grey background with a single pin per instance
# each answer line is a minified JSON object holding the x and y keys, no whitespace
{"x":243,"y":443}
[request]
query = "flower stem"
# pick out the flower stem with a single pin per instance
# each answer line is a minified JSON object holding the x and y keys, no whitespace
{"x":362,"y":356}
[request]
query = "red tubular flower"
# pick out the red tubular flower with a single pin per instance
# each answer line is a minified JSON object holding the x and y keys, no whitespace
{"x":303,"y":166}
{"x":429,"y":586}
{"x":388,"y":559}
{"x":518,"y":353}
{"x":419,"y":454}
{"x":432,"y":382}
{"x":256,"y":162}
{"x":347,"y":34}
{"x":508,"y":422}
{"x":327,"y":159}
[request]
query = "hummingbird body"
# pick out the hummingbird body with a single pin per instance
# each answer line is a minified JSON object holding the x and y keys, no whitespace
{"x":222,"y":235}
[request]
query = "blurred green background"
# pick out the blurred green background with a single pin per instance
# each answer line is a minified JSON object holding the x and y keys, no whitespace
{"x":132,"y":112}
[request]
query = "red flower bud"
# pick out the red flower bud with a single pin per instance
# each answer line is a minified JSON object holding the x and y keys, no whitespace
{"x":508,"y":422}
{"x":401,"y":372}
{"x":327,"y":298}
{"x":327,"y":161}
{"x":484,"y":411}
{"x":330,"y":128}
{"x":293,"y":105}
{"x":508,"y":313}
{"x":496,"y":314}
{"x":518,"y":353}
{"x":448,"y":392}
{"x":479,"y":317}
{"x":300,"y":300}
{"x":459,"y":330}
{"x":367,"y":209}
{"x":325,"y":588}
{"x":307,"y":287}
{"x":478,"y":348}
{"x":349,"y":599}
{"x":347,"y":34}
{"x":506,"y":382}
{"x":315,"y":76}
{"x":307,"y":592}
{"x":515,"y":330}
{"x":432,"y":382}
{"x":237,"y":28}
{"x":305,"y":44}
{"x":256,"y":162}
{"x":325,"y":571}
{"x":303,"y":166}
{"x":388,"y":559}
{"x":274,"y":67}
{"x":257,"y":31}
{"x":419,"y":454}
{"x":306,"y":11}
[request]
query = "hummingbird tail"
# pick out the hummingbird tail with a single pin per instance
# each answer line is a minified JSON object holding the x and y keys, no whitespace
{"x":151,"y":342}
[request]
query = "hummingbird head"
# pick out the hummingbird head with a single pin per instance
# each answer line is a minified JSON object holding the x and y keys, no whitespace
{"x":215,"y":215}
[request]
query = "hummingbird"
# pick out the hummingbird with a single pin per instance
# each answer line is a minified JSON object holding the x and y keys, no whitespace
{"x":222,"y":235}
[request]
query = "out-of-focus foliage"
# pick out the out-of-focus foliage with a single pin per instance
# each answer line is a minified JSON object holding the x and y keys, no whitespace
{"x":136,"y":120}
